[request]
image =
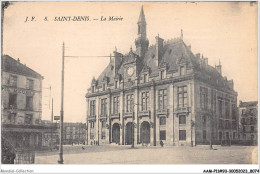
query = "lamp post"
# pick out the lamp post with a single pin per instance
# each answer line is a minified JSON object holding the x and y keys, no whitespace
{"x":210,"y":118}
{"x":60,"y":161}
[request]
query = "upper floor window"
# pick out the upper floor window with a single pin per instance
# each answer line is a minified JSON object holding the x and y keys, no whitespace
{"x":204,"y":98}
{"x":92,"y":107}
{"x":116,"y":84}
{"x":162,"y":74}
{"x":145,"y":78}
{"x":29,"y":102}
{"x":103,"y":106}
{"x":227,"y":109}
{"x":29,"y":84}
{"x":162,"y":97}
{"x":92,"y":124}
{"x":12,"y":100}
{"x":13,"y":81}
{"x":220,"y":110}
{"x":162,"y":120}
{"x":233,"y":111}
{"x":28,"y":119}
{"x":182,"y":119}
{"x":204,"y":120}
{"x":182,"y":70}
{"x":104,"y":87}
{"x":129,"y":103}
{"x":116,"y":105}
{"x":103,"y":124}
{"x":12,"y":118}
{"x":182,"y":96}
{"x":145,"y":101}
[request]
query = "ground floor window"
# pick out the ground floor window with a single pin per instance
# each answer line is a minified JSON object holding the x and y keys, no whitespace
{"x":234,"y":135}
{"x":91,"y":135}
{"x":204,"y":134}
{"x":182,"y":134}
{"x":103,"y":135}
{"x":162,"y":135}
{"x":220,"y":135}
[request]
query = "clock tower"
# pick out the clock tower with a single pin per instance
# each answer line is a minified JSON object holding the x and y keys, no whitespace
{"x":141,"y":42}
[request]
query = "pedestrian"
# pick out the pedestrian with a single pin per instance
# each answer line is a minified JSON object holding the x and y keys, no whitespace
{"x":161,"y":143}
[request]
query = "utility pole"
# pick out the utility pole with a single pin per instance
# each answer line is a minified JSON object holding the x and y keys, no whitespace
{"x":51,"y":121}
{"x":60,"y":161}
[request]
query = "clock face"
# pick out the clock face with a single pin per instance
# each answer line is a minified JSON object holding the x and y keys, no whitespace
{"x":130,"y":71}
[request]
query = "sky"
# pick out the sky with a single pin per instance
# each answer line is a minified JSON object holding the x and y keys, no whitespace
{"x":225,"y":31}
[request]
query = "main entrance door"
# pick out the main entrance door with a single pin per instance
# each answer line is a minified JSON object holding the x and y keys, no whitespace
{"x":129,"y":132}
{"x":145,"y":132}
{"x":116,"y":133}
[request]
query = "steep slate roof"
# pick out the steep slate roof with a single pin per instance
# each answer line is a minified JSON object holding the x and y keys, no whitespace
{"x":172,"y":51}
{"x":11,"y":65}
{"x":248,"y":104}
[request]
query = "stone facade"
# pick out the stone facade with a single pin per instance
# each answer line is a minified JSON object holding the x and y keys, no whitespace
{"x":161,"y":92}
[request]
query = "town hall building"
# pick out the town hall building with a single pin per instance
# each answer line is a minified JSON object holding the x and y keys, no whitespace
{"x":160,"y":93}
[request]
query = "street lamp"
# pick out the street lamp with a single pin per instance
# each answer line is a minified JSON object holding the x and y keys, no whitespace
{"x":60,"y":161}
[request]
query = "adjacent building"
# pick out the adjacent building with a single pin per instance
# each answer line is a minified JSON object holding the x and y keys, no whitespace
{"x":74,"y":133}
{"x":21,"y":104}
{"x":161,"y":92}
{"x":248,"y":118}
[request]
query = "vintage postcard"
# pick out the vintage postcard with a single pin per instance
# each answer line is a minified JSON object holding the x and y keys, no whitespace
{"x":130,"y":83}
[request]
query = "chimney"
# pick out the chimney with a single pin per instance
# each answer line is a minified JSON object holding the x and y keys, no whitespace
{"x":181,"y":34}
{"x":159,"y":49}
{"x":116,"y":61}
{"x":189,"y":47}
{"x":18,"y":60}
{"x":198,"y":55}
{"x":231,"y":84}
{"x":219,"y":68}
{"x":206,"y":61}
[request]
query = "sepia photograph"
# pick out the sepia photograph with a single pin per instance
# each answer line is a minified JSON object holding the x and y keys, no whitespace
{"x":129,"y":83}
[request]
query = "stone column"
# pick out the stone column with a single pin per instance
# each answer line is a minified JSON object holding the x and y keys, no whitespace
{"x":152,"y":115}
{"x":121,"y":117}
{"x":136,"y":108}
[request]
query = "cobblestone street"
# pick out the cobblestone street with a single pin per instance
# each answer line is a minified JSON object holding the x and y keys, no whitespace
{"x":112,"y":154}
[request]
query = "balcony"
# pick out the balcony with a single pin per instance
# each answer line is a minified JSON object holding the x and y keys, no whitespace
{"x":91,"y":117}
{"x":143,"y":113}
{"x":162,"y":112}
{"x":103,"y":116}
{"x":182,"y":110}
{"x":115,"y":116}
{"x":128,"y":115}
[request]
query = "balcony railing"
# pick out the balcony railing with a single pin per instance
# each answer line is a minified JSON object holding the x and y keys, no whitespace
{"x":91,"y":117}
{"x":128,"y":114}
{"x":143,"y":113}
{"x":115,"y":115}
{"x":162,"y":112}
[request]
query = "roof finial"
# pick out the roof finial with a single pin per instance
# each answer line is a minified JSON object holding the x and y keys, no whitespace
{"x":131,"y":48}
{"x":181,"y":34}
{"x":219,"y":62}
{"x":115,"y":49}
{"x":141,"y":16}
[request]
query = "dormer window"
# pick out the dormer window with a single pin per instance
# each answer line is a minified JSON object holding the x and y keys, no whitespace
{"x":104,"y":87}
{"x":162,"y":74}
{"x":145,"y":78}
{"x":182,"y":70}
{"x":116,"y":86}
{"x":93,"y":89}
